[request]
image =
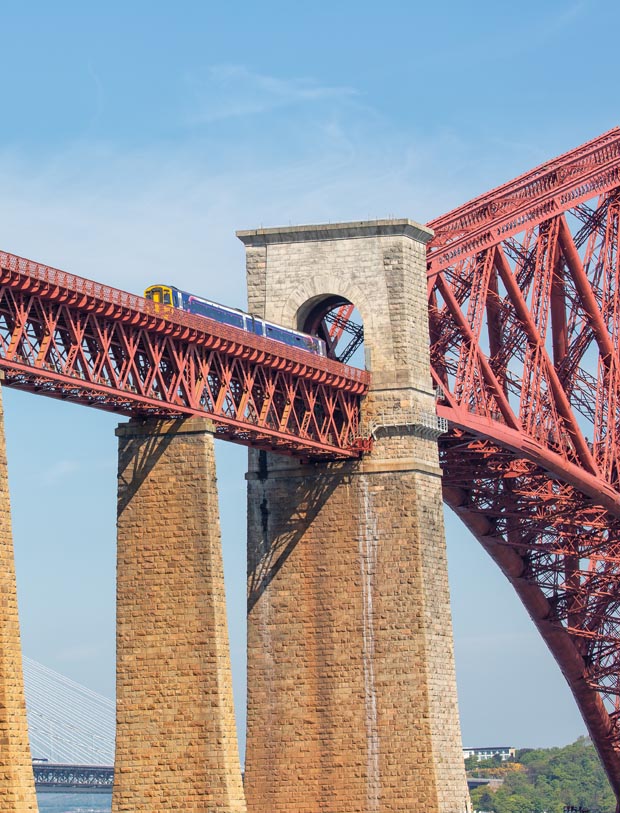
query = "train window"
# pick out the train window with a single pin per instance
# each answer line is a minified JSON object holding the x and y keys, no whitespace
{"x":232,"y":317}
{"x":202,"y":308}
{"x":167,"y":300}
{"x":281,"y":334}
{"x":216,"y":312}
{"x":154,"y":293}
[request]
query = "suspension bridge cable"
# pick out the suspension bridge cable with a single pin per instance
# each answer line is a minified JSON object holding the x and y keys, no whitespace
{"x":67,"y":722}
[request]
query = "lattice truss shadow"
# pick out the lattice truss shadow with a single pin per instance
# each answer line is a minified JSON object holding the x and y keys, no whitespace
{"x":524,"y":306}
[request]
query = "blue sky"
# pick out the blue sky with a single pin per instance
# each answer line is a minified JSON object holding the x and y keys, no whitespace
{"x":137,"y":137}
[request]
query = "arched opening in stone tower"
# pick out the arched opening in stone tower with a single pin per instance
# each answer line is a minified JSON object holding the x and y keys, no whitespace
{"x":338,"y":323}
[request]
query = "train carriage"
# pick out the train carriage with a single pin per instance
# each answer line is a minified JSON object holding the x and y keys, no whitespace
{"x":168,"y":295}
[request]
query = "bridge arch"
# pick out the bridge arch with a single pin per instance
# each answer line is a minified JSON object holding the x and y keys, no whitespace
{"x":337,"y":321}
{"x":319,"y":291}
{"x":322,"y":297}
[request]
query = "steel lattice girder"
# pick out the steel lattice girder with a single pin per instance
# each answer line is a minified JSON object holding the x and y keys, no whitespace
{"x":70,"y":338}
{"x":524,"y":307}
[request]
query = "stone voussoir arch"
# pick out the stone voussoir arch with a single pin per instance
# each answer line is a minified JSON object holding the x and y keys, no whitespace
{"x":305,"y":297}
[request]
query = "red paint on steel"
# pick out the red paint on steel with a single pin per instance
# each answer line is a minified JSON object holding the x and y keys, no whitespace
{"x":71,"y":338}
{"x":554,"y":187}
{"x":524,"y":308}
{"x":337,"y":327}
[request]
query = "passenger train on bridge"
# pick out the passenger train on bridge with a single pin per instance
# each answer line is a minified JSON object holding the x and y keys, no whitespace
{"x":167,"y":295}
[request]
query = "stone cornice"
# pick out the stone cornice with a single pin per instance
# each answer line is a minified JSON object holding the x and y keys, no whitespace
{"x":336,"y":231}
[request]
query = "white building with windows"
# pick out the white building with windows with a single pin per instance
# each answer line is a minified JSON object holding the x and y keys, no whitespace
{"x":504,"y":751}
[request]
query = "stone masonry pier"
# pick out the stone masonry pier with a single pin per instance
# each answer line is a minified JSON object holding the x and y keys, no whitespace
{"x":351,"y":686}
{"x":176,"y":742}
{"x":16,"y":777}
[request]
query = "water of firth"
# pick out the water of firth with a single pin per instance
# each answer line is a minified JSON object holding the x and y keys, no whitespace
{"x":74,"y":802}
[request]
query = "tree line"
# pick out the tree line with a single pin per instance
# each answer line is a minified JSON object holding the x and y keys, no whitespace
{"x":545,"y":780}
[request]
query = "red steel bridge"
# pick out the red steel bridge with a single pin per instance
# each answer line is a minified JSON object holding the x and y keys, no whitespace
{"x":524,"y":308}
{"x":68,"y":337}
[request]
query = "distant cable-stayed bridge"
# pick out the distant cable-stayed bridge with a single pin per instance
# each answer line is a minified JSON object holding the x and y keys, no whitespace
{"x":67,"y":722}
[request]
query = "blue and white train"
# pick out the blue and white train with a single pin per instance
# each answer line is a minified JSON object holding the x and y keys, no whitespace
{"x":167,"y":295}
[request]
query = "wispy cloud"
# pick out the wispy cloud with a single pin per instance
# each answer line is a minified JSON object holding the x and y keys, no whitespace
{"x":552,"y":22}
{"x":59,"y":471}
{"x":231,"y":91}
{"x":571,"y":13}
{"x":131,"y":219}
{"x":81,"y":654}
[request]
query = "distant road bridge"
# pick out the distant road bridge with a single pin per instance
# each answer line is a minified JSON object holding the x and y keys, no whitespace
{"x":52,"y":778}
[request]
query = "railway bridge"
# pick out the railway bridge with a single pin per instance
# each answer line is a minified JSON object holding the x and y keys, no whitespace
{"x":491,"y":345}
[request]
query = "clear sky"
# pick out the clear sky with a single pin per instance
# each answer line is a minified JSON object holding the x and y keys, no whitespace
{"x":136,"y":138}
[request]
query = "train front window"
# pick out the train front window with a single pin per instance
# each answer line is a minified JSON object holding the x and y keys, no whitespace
{"x":160,"y":294}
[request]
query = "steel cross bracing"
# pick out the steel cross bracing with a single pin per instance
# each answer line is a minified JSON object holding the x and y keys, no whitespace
{"x":524,"y":306}
{"x":48,"y":776}
{"x":70,"y":338}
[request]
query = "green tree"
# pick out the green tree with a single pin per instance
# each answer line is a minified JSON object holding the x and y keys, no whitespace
{"x":471,"y":763}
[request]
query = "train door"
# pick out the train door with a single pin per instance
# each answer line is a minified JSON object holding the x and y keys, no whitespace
{"x":155,"y":294}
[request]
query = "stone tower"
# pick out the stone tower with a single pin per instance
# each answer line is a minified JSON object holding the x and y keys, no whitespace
{"x":352,"y":702}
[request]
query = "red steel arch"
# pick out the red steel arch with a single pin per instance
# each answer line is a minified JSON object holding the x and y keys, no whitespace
{"x":524,"y":307}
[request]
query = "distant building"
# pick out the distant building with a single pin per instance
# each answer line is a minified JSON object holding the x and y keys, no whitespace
{"x":488,"y":753}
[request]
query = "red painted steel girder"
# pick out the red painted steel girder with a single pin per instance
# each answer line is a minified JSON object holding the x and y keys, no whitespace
{"x":524,"y":307}
{"x":551,"y":188}
{"x":74,"y":339}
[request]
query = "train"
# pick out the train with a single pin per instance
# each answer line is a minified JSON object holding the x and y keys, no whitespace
{"x":168,"y":295}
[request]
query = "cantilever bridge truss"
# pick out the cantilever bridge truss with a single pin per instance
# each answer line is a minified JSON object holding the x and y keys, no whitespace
{"x":524,"y":306}
{"x":524,"y":309}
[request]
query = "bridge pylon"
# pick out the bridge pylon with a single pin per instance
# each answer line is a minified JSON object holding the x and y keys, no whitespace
{"x":176,"y":741}
{"x":352,"y":704}
{"x":16,"y":777}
